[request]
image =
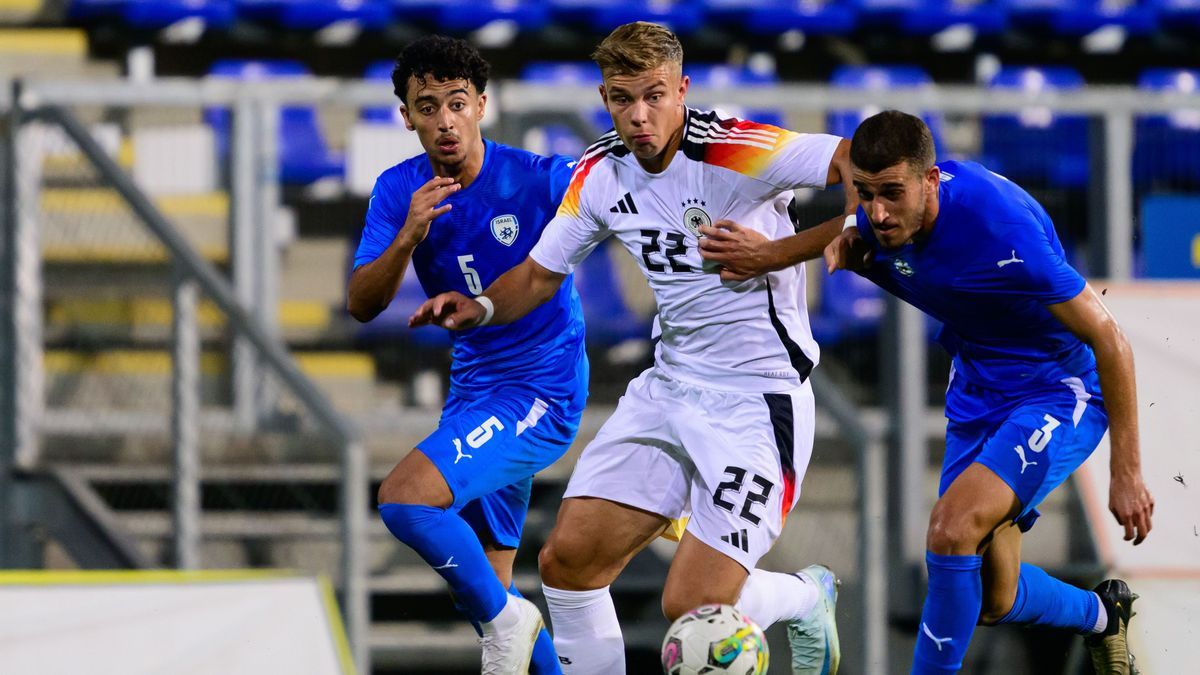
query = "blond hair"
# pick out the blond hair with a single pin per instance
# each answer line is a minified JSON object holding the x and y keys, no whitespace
{"x":637,"y":47}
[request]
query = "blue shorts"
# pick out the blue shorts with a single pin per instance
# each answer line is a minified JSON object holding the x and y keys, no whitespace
{"x":489,"y":449}
{"x":1033,"y":437}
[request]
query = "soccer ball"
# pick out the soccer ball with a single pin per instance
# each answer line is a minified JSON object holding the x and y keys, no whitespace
{"x":714,"y":639}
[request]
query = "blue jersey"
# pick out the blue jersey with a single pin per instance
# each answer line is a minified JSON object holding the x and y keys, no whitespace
{"x":493,"y":224}
{"x":987,"y":270}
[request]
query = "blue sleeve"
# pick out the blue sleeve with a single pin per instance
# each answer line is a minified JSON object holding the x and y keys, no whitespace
{"x":561,"y":168}
{"x":1046,"y":275}
{"x":386,"y":212}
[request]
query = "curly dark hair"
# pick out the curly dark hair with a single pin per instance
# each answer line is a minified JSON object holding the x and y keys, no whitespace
{"x":441,"y":58}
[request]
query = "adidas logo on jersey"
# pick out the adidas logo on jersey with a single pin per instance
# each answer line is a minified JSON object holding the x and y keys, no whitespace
{"x":738,"y":540}
{"x":625,"y":205}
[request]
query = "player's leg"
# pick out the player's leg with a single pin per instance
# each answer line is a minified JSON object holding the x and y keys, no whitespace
{"x":975,"y":504}
{"x":623,"y":491}
{"x":498,"y":519}
{"x":750,"y":461}
{"x":475,"y":451}
{"x":592,"y":541}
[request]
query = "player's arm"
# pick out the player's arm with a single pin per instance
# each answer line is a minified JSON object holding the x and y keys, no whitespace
{"x":744,"y":253}
{"x":516,"y":293}
{"x":373,"y":285}
{"x":1087,"y":317}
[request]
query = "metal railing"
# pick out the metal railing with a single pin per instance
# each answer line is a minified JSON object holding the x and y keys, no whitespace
{"x":192,"y":274}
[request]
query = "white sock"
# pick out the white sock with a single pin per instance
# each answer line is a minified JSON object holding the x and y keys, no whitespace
{"x":769,"y":597}
{"x":506,"y":620}
{"x":1101,"y":617}
{"x":586,"y":633}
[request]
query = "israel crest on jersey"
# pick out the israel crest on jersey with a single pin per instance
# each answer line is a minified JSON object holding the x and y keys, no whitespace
{"x":902,"y":267}
{"x":695,"y":217}
{"x":505,"y":228}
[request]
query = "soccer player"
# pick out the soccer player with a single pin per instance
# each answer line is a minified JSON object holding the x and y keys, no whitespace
{"x":722,"y":425}
{"x":464,"y":212}
{"x":1039,"y":368}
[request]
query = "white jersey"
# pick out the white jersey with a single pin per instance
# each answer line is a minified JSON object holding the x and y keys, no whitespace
{"x":737,"y":336}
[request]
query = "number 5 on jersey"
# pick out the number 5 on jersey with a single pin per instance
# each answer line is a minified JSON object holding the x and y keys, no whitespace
{"x":473,"y":284}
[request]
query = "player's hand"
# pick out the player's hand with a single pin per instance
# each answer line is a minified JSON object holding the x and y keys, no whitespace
{"x":743,"y":253}
{"x":423,"y":207}
{"x":847,"y":251}
{"x":451,"y":310}
{"x":1132,"y":504}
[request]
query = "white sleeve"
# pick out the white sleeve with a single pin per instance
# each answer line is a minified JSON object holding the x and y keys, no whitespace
{"x":800,"y":160}
{"x":567,"y":240}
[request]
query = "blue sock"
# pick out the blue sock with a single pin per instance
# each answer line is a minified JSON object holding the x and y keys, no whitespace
{"x":1043,"y":600}
{"x":951,"y":611}
{"x":445,"y":541}
{"x":545,"y":659}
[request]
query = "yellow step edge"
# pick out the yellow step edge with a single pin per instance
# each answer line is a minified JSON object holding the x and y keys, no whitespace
{"x":104,"y":200}
{"x":40,"y":41}
{"x":131,"y":362}
{"x":296,"y":314}
{"x":149,"y":254}
{"x":73,"y":161}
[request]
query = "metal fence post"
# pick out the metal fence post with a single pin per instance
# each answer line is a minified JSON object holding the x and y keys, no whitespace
{"x":266,"y":265}
{"x":8,"y":370}
{"x":185,"y":427}
{"x":908,"y":357}
{"x":355,"y":600}
{"x":243,"y":257}
{"x":1118,"y":183}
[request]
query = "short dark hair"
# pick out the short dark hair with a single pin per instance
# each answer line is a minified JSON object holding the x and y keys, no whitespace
{"x":891,"y":137}
{"x":442,"y":58}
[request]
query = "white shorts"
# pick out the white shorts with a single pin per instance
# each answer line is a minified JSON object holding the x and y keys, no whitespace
{"x":732,"y":461}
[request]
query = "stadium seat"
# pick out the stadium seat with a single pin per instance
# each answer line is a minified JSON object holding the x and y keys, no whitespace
{"x":771,"y":17}
{"x":458,"y":16}
{"x":1183,"y":15}
{"x":927,"y":17}
{"x":567,"y":139}
{"x":311,"y":15}
{"x":608,"y":318}
{"x":844,"y":122}
{"x":1167,"y":149}
{"x":681,"y":16}
{"x":1036,"y":145}
{"x":717,"y":76}
{"x":851,"y":308}
{"x":392,"y":323}
{"x":153,"y":14}
{"x":1080,"y":17}
{"x":381,"y":71}
{"x":304,"y":156}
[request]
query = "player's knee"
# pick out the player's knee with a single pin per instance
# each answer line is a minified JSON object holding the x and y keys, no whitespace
{"x":564,"y":562}
{"x":993,"y":613}
{"x":415,"y":483}
{"x":953,"y":533}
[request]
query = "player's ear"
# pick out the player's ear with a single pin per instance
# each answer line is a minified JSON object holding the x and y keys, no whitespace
{"x":684,"y":82}
{"x":603,"y":95}
{"x":933,"y":177}
{"x":482,"y":106}
{"x":407,"y":121}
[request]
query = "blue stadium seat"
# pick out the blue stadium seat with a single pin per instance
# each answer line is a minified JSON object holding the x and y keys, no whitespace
{"x":1036,"y":145}
{"x":458,"y":16}
{"x":381,"y":71}
{"x":926,"y":17}
{"x":392,"y":323}
{"x":771,"y":17}
{"x":717,"y":76}
{"x":844,"y":122}
{"x":1167,"y":150}
{"x":303,"y":155}
{"x":311,"y":15}
{"x":1178,"y":14}
{"x":609,"y":319}
{"x":153,"y":14}
{"x":601,"y":16}
{"x":560,"y":138}
{"x":851,"y":308}
{"x":1080,"y":17}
